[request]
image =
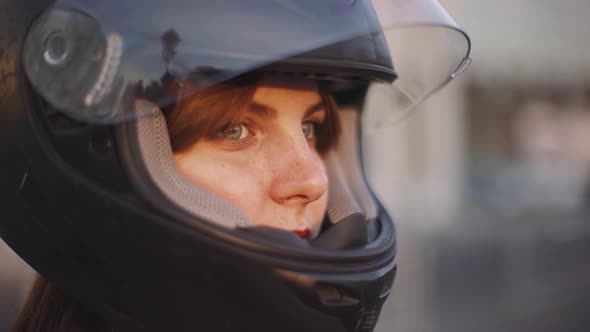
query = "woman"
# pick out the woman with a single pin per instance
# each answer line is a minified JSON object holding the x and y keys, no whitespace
{"x":267,"y":153}
{"x":184,"y":166}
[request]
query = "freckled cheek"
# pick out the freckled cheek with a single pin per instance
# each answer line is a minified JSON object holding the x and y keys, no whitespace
{"x":242,"y":183}
{"x":239,"y":182}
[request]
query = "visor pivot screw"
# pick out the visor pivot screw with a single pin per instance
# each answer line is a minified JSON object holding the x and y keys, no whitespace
{"x":56,"y":48}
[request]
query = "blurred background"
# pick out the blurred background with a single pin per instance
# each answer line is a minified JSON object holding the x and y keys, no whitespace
{"x":488,"y":181}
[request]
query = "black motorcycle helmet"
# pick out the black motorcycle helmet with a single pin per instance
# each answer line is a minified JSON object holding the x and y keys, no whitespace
{"x":91,"y":199}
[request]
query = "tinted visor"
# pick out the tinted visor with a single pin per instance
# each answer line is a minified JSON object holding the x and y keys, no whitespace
{"x":92,"y":59}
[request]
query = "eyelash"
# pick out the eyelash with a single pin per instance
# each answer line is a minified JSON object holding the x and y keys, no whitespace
{"x":316,"y":127}
{"x":315,"y":123}
{"x":221,"y":134}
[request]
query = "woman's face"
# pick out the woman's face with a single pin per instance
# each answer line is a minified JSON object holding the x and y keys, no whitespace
{"x":267,"y":164}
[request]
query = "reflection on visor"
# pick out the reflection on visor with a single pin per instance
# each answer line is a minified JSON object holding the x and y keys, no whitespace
{"x":91,"y":60}
{"x":110,"y":66}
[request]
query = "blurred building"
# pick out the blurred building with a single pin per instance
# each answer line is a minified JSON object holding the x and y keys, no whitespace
{"x":490,"y":179}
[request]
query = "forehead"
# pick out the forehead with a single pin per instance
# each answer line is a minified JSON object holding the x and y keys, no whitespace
{"x":280,"y":88}
{"x":288,"y":82}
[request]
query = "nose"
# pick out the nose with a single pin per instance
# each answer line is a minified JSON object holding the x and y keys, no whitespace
{"x":299,"y":173}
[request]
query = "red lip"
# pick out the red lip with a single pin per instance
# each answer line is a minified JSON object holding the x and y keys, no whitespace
{"x":304,"y":234}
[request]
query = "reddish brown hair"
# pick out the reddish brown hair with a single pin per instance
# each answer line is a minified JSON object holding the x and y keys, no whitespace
{"x":49,"y":309}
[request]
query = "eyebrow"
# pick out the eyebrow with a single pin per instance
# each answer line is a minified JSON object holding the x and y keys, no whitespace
{"x":267,"y":111}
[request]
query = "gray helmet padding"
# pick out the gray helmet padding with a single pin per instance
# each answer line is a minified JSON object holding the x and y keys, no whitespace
{"x":348,"y":192}
{"x":156,"y":153}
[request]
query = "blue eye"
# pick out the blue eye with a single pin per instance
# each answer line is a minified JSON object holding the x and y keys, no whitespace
{"x":308,"y":128}
{"x":235,"y":133}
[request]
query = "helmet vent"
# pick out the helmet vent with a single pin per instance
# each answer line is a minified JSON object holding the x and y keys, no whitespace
{"x":367,"y":321}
